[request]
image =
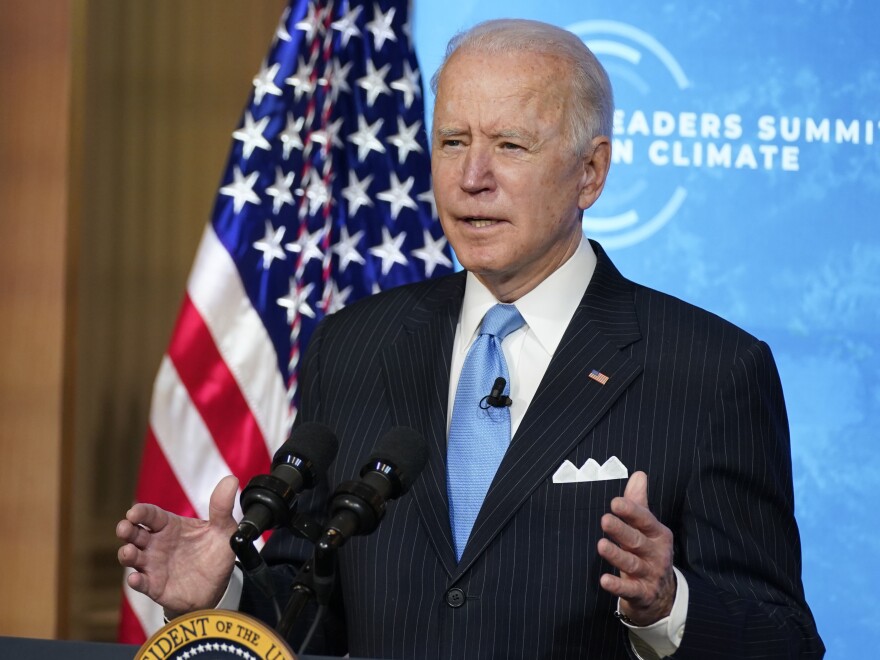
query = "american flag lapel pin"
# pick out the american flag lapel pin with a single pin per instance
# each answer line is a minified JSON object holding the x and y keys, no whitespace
{"x":599,"y":377}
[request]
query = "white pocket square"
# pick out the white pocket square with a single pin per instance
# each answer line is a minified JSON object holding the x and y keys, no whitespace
{"x":590,"y":471}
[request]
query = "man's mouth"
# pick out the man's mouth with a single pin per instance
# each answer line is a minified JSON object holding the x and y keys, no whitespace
{"x":481,"y":222}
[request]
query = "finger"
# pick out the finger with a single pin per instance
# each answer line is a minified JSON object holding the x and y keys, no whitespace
{"x":654,"y":551}
{"x":625,"y":562}
{"x":125,"y":531}
{"x":134,"y":534}
{"x":622,"y":534}
{"x":633,"y":509}
{"x":222,"y":501}
{"x":622,"y":588}
{"x":637,"y":489}
{"x":131,"y":557}
{"x":148,"y":515}
{"x":138,"y":582}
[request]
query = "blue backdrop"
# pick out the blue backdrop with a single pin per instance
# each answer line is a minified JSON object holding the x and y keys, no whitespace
{"x":747,"y":181}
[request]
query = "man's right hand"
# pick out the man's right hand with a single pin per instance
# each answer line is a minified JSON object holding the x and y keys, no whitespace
{"x":183,"y":564}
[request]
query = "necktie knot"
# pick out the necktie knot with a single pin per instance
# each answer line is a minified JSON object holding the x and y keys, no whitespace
{"x":501,"y":320}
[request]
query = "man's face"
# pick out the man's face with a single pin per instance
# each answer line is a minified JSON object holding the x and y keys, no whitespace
{"x":509,"y":185}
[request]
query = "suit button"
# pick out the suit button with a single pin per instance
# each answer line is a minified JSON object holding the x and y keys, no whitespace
{"x":455,"y":597}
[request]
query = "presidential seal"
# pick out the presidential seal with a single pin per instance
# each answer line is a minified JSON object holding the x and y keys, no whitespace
{"x":215,"y":635}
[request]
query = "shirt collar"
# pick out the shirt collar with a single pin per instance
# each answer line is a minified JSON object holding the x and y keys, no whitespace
{"x":547,"y":309}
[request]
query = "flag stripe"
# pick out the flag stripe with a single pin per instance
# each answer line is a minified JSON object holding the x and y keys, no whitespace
{"x":162,"y":488}
{"x":139,"y":614}
{"x":185,"y":440}
{"x":214,"y":393}
{"x":215,"y":289}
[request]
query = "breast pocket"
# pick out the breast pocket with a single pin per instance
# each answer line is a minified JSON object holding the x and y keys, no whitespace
{"x":585,"y":495}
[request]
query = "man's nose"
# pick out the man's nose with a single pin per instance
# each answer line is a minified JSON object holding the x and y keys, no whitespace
{"x":477,"y":172}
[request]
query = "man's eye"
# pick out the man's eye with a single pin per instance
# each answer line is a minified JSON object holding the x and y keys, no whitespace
{"x":511,"y":146}
{"x":451,"y":143}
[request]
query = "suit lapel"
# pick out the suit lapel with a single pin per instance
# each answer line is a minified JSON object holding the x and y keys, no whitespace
{"x":416,"y":373}
{"x":568,"y":403}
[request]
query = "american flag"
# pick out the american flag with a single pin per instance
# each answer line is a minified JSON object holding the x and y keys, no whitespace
{"x":598,"y":376}
{"x":326,"y":198}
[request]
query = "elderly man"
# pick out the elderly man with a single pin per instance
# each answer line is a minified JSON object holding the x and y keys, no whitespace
{"x":492,"y":555}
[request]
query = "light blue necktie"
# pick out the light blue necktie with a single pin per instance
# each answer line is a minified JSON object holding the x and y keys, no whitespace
{"x":479,"y":434}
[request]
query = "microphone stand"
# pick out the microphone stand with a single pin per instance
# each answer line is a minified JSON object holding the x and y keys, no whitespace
{"x":303,"y":589}
{"x":302,"y":592}
{"x":325,"y":565}
{"x":315,"y":579}
{"x":253,"y":564}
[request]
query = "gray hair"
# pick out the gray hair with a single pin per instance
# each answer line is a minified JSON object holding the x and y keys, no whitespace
{"x":592,"y":101}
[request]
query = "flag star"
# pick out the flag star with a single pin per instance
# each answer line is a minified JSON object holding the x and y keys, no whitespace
{"x":376,"y":288}
{"x":251,"y":135}
{"x":290,"y":138}
{"x":346,"y":248}
{"x":301,"y":80}
{"x":389,"y":251}
{"x":407,"y":30}
{"x":264,"y":82}
{"x":380,"y":26}
{"x":347,"y":25}
{"x":241,"y":189}
{"x":280,"y":190}
{"x":337,"y":299}
{"x":365,"y":137}
{"x":405,"y":140}
{"x":374,"y":82}
{"x":307,"y":246}
{"x":270,"y":245}
{"x":297,"y":301}
{"x":432,"y":253}
{"x":318,"y":194}
{"x":281,"y":31}
{"x":355,"y":192}
{"x":313,"y":23}
{"x":338,"y":79}
{"x":328,"y":135}
{"x":428,"y":196}
{"x":409,"y":84}
{"x":398,"y":195}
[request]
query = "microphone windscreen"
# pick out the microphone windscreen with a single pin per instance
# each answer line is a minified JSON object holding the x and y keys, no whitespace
{"x":406,"y":450}
{"x":311,"y":441}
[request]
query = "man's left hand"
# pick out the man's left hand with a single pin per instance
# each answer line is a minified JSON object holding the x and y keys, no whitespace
{"x":640,"y":547}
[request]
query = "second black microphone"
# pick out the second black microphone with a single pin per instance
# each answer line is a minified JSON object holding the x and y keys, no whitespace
{"x":358,"y":506}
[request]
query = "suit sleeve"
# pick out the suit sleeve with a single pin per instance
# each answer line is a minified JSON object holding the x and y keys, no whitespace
{"x":738,"y":544}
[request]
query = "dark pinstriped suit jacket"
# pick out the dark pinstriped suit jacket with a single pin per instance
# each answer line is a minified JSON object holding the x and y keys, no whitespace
{"x":691,"y":399}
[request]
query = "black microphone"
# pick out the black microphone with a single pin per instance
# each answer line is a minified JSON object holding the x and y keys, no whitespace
{"x":358,"y":506}
{"x":496,"y":398}
{"x":269,"y":499}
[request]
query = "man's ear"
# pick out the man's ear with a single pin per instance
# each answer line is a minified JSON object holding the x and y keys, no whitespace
{"x":596,"y":164}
